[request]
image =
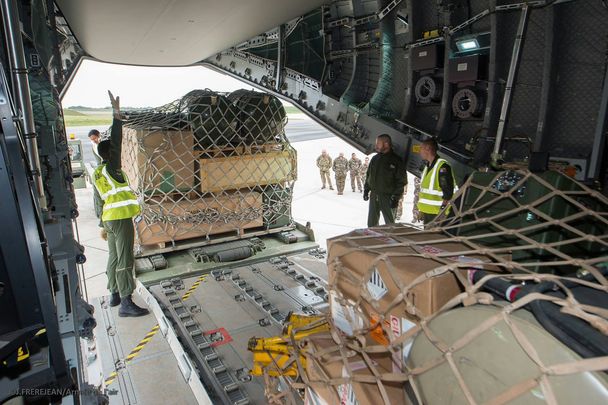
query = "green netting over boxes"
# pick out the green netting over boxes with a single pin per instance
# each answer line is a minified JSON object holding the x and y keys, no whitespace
{"x":210,"y":164}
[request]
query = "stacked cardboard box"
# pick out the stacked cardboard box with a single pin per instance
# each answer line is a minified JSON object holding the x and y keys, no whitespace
{"x":158,"y":161}
{"x":244,"y":171}
{"x":359,"y":378}
{"x":383,"y":282}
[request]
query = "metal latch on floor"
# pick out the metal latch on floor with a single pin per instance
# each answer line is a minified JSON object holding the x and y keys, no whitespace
{"x":142,"y":343}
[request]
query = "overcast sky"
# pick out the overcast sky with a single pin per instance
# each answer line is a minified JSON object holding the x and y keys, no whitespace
{"x":141,"y":86}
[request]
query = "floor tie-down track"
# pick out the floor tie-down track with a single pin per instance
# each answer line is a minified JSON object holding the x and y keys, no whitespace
{"x":225,"y":309}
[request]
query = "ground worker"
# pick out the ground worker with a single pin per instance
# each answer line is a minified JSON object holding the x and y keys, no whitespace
{"x":324,"y":165}
{"x":385,"y":181}
{"x":340,"y":167}
{"x":437,"y":182}
{"x":354,"y":168}
{"x":95,"y":138}
{"x":118,"y":206}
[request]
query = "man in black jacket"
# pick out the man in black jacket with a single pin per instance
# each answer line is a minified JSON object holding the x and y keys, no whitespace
{"x":384,"y":182}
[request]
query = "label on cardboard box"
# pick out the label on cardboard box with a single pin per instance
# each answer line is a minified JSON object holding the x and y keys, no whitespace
{"x":345,"y":317}
{"x":432,"y":250}
{"x":346,"y":392}
{"x":312,"y":398}
{"x":378,"y":235}
{"x":377,"y":333}
{"x":400,"y":326}
{"x":375,"y":286}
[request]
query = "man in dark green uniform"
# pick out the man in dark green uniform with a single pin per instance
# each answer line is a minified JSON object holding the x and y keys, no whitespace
{"x":437,"y":183}
{"x":116,"y":207}
{"x":384,"y":182}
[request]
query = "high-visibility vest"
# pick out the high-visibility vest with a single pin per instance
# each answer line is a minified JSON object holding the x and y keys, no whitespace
{"x":430,"y":198}
{"x":119,"y":201}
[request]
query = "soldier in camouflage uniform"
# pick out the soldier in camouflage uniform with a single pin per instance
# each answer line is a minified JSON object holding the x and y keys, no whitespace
{"x":354,"y":167}
{"x":324,"y":165}
{"x":400,"y":204}
{"x":417,"y":216}
{"x":363,"y":169}
{"x":340,"y":168}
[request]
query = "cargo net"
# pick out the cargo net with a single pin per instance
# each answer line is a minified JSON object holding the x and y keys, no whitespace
{"x":503,"y":300}
{"x":209,"y":164}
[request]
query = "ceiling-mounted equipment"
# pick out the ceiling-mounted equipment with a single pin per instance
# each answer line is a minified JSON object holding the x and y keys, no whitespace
{"x":427,"y":57}
{"x":467,"y":69}
{"x":468,"y":103}
{"x":478,"y":43}
{"x":466,"y":45}
{"x":428,"y":89}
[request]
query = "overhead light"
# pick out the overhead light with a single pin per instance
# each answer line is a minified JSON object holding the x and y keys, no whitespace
{"x":467,"y":45}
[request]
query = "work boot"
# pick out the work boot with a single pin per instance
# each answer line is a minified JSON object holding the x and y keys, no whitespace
{"x":114,"y":299}
{"x":128,"y":308}
{"x":323,"y":188}
{"x":331,"y":188}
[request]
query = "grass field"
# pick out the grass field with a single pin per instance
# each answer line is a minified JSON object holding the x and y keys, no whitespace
{"x":74,"y":118}
{"x":93,"y":117}
{"x":293,"y":110}
{"x":72,"y":113}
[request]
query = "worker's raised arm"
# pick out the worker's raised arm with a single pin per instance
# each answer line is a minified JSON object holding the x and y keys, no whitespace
{"x":115,"y":163}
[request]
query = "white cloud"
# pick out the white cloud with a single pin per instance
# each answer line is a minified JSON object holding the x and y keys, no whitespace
{"x":141,"y":86}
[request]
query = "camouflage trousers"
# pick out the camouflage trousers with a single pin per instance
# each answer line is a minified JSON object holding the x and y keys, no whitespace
{"x":325,"y":178}
{"x":417,"y":216}
{"x":340,"y":181}
{"x":399,"y":209}
{"x":355,"y":178}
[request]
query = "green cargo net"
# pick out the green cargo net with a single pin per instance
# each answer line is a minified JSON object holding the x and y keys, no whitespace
{"x":210,"y":164}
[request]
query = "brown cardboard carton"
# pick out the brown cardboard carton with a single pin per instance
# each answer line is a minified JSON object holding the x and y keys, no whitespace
{"x":332,"y":365}
{"x":258,"y":169}
{"x":184,"y":217}
{"x":157,"y":160}
{"x":368,"y":269}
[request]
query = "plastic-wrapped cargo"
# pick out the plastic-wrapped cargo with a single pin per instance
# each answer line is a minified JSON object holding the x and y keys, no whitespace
{"x":209,"y":164}
{"x":261,"y":116}
{"x":214,"y":118}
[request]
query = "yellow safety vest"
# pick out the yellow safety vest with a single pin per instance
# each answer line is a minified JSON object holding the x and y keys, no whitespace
{"x":430,"y":198}
{"x":119,"y":201}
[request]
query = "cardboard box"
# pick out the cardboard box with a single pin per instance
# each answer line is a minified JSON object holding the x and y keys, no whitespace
{"x":357,"y":267}
{"x":158,"y":161}
{"x":182,"y":220}
{"x":332,"y":366}
{"x":258,"y":169}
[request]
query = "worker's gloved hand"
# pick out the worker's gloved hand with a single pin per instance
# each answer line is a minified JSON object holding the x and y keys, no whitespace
{"x":365,"y":195}
{"x":115,"y":105}
{"x":394,"y":201}
{"x":103,"y":233}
